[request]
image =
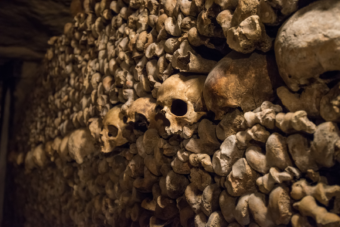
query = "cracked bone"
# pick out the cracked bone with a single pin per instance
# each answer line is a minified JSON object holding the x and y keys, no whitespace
{"x":266,"y":118}
{"x":257,"y":133}
{"x":274,"y":214}
{"x":321,"y":192}
{"x":276,"y":154}
{"x":267,"y":182}
{"x":203,"y":160}
{"x":308,"y":208}
{"x":291,"y":122}
{"x":187,"y":60}
{"x":309,"y":100}
{"x":241,"y":179}
{"x":207,"y":143}
{"x":224,"y":159}
{"x":249,"y":35}
{"x":230,"y":124}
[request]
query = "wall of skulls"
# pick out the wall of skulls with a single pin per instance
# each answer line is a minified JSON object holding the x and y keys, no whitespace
{"x":132,"y":124}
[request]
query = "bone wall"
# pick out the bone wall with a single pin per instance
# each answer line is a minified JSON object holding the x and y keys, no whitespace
{"x":132,"y":124}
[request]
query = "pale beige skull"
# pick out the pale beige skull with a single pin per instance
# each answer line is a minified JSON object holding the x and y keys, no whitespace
{"x":142,"y":113}
{"x":182,"y":100}
{"x":112,"y":133}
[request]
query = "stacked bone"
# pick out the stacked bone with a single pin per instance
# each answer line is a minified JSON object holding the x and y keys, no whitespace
{"x":120,"y":50}
{"x":182,"y":180}
{"x":115,"y":136}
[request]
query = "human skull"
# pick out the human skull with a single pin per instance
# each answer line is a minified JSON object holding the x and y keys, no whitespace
{"x":181,"y":99}
{"x":80,"y":144}
{"x":95,"y":125}
{"x":305,"y":54}
{"x":112,"y":133}
{"x":142,"y":113}
{"x":240,"y":80}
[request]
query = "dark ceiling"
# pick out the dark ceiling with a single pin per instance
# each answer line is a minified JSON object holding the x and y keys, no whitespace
{"x":26,"y":25}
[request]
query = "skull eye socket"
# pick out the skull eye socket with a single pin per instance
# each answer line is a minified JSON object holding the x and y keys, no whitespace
{"x":113,"y":131}
{"x":158,"y":108}
{"x":179,"y":107}
{"x":125,"y":119}
{"x":141,"y":123}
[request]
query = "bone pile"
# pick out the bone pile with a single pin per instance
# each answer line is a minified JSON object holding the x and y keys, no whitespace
{"x":130,"y":126}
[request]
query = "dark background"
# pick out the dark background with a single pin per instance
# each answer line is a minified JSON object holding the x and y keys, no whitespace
{"x":26,"y":26}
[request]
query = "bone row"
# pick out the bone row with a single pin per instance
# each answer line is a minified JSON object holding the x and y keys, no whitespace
{"x":177,"y":171}
{"x":118,"y":51}
{"x":159,"y":181}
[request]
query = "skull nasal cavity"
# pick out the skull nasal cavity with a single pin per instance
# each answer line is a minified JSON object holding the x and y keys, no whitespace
{"x":113,"y":131}
{"x":179,"y":107}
